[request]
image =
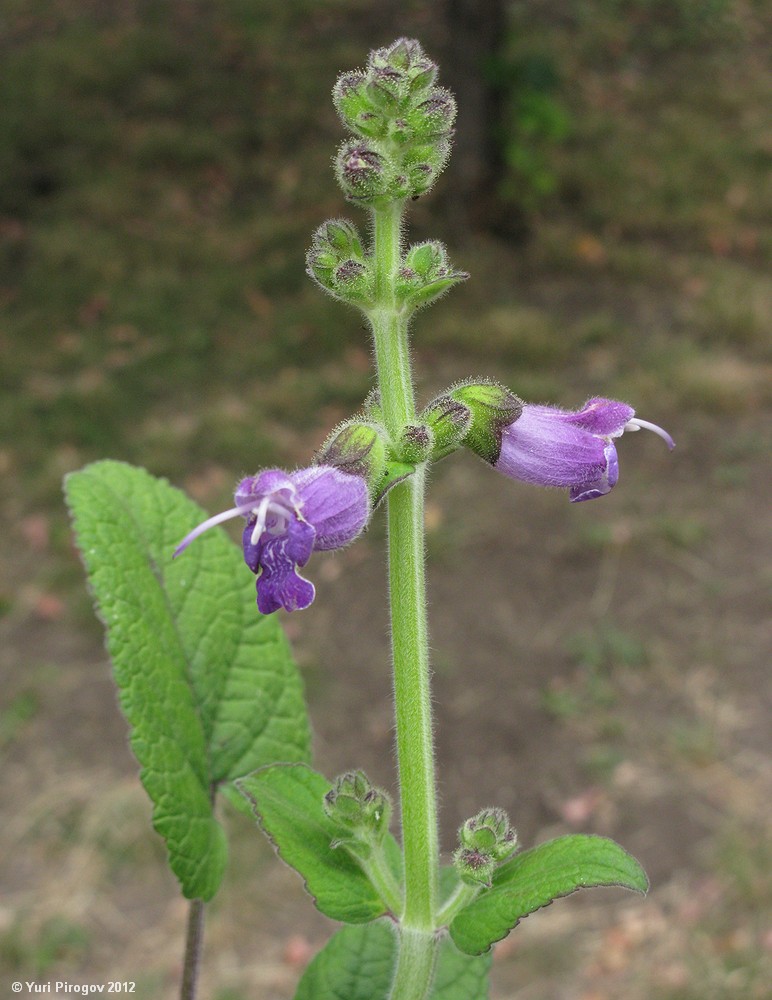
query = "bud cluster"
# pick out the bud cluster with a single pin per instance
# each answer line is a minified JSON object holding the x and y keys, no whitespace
{"x":361,"y":813}
{"x":402,"y":125}
{"x":338,"y":262}
{"x":425,"y":274}
{"x":485,"y":841}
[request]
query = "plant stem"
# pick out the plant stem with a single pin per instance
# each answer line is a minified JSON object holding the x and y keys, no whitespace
{"x":379,"y":872}
{"x":415,"y":751}
{"x":389,"y":323}
{"x":461,"y":897}
{"x":193,"y":942}
{"x":409,"y":633}
{"x":417,"y":957}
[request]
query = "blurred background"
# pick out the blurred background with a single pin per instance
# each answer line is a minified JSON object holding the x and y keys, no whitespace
{"x":600,"y":668}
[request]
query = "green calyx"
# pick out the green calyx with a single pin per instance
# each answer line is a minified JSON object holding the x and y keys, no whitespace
{"x":363,"y":448}
{"x":339,"y":263}
{"x":359,"y":448}
{"x":416,"y":444}
{"x":473,"y":414}
{"x":489,"y":831}
{"x":493,"y":407}
{"x":402,"y":125}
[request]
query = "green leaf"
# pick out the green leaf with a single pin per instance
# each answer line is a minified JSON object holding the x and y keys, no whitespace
{"x":287,"y":801}
{"x":207,"y":684}
{"x":536,"y":877}
{"x":459,"y":976}
{"x":357,"y":964}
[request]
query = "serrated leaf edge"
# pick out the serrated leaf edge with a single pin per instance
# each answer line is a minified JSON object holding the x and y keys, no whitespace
{"x":238,"y":783}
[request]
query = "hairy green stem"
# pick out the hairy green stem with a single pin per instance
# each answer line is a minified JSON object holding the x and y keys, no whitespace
{"x":417,"y":958}
{"x":415,"y":750}
{"x":379,"y":872}
{"x":461,"y":897}
{"x":389,"y":323}
{"x":409,"y":633}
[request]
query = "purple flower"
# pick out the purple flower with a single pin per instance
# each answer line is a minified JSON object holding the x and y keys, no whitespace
{"x":574,"y":449}
{"x":289,"y":515}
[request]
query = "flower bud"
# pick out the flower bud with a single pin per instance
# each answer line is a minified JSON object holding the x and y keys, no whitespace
{"x":406,"y":56}
{"x":429,"y":260}
{"x":356,"y":108}
{"x":422,"y":76}
{"x":360,"y":812}
{"x":432,"y":118}
{"x":423,"y":164}
{"x":426,"y":275}
{"x":361,"y":172}
{"x":342,"y":237}
{"x":493,"y":408}
{"x":416,"y":443}
{"x":337,"y":261}
{"x":474,"y":867}
{"x":387,"y":88}
{"x":353,"y":281}
{"x":348,"y":96}
{"x":485,"y":841}
{"x":449,"y":421}
{"x":489,"y":831}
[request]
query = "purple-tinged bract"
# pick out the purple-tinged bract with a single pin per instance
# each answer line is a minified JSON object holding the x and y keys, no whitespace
{"x":571,"y":449}
{"x":289,"y":515}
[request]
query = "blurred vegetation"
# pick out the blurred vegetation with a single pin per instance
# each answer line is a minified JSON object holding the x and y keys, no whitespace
{"x":163,"y":166}
{"x":646,"y":115}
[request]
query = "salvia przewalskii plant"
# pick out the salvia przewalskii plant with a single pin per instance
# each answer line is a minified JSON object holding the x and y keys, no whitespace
{"x":207,"y":681}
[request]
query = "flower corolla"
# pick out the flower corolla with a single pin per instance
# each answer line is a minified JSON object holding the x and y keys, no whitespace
{"x":547,"y":446}
{"x":290,"y":515}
